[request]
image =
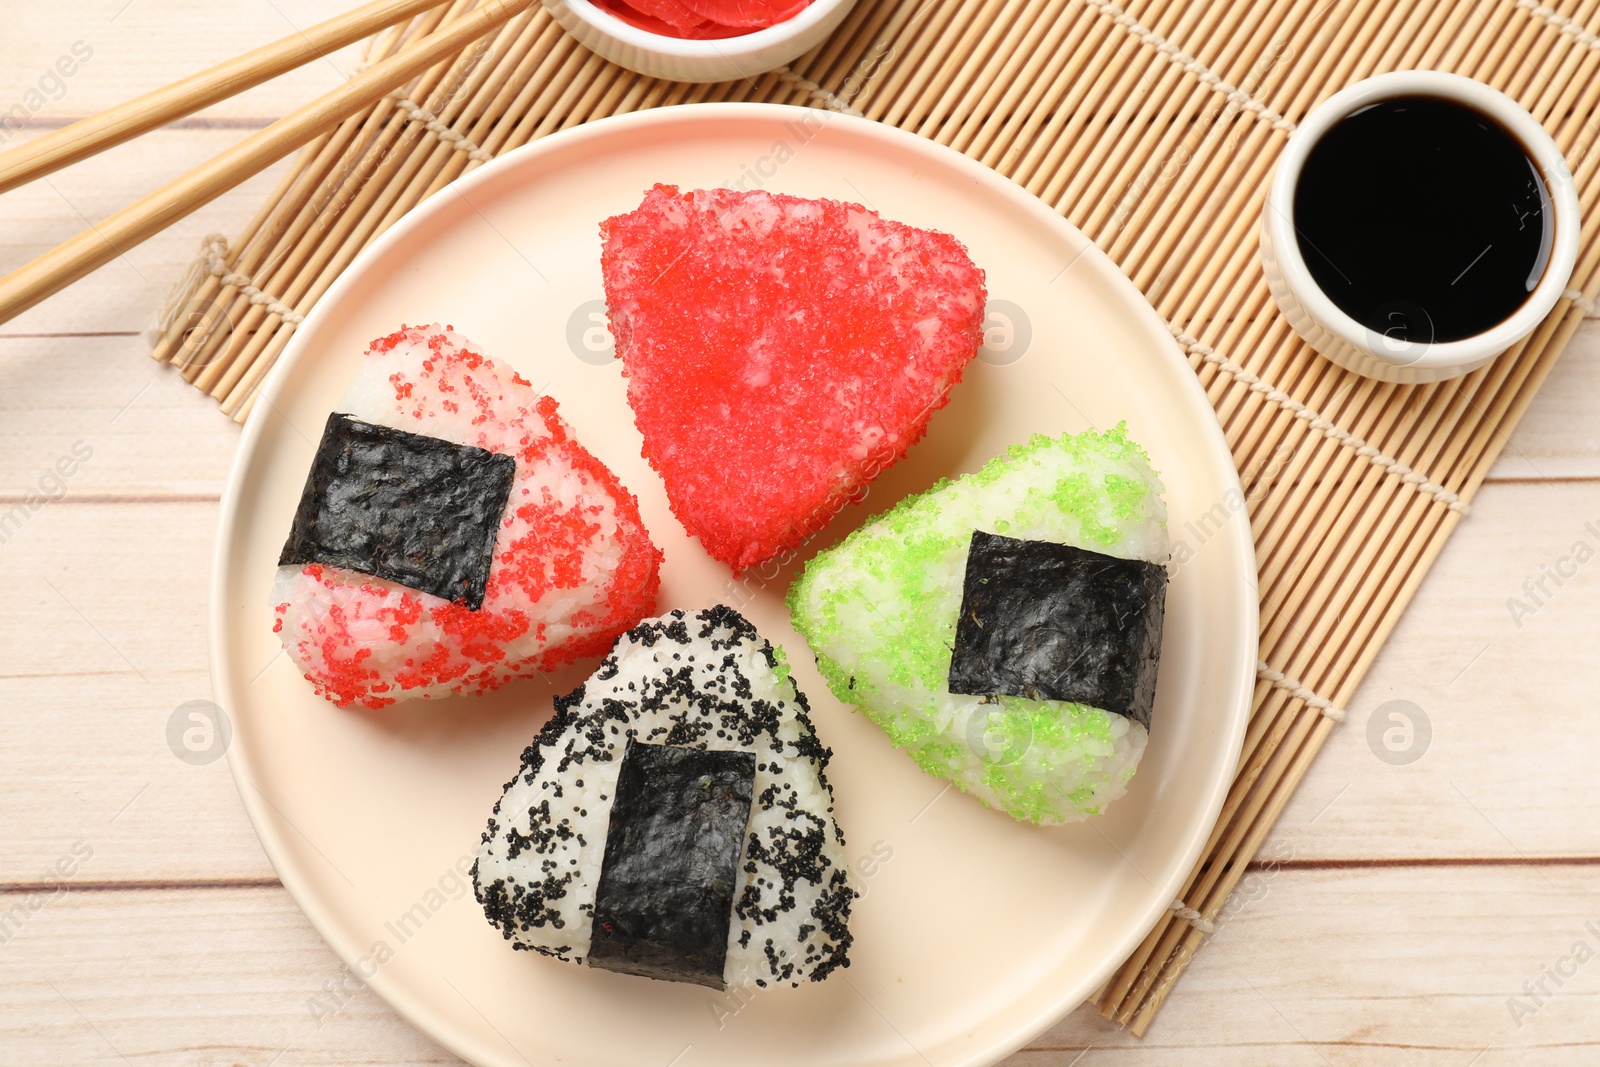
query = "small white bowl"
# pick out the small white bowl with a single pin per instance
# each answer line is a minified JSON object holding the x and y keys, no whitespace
{"x":677,"y":59}
{"x":1353,"y":345}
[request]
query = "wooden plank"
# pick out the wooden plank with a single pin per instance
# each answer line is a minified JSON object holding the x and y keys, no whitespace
{"x":96,"y":765}
{"x":127,"y":47}
{"x":124,"y":295}
{"x":112,"y":643}
{"x":139,"y":429}
{"x":1506,"y":681}
{"x":174,"y":201}
{"x":223,"y":977}
{"x":1557,"y":438}
{"x":1414,"y":967}
{"x":1425,"y":968}
{"x":109,"y":589}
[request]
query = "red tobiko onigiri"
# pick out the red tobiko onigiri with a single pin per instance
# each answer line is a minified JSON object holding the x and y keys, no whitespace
{"x":453,"y":534}
{"x":781,"y":352}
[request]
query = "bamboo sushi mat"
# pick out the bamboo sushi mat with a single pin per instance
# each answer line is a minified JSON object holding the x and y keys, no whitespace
{"x":1154,"y":129}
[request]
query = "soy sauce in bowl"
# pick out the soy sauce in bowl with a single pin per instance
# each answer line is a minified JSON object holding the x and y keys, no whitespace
{"x":1423,"y":219}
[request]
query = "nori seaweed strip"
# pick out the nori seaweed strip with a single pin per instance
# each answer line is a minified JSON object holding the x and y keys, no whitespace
{"x":1053,"y":622}
{"x":665,"y":898}
{"x":418,"y":511}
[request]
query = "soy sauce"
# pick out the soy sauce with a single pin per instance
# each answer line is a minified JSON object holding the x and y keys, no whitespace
{"x":1423,"y":219}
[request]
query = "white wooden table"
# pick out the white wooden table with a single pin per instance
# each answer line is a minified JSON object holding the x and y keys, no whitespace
{"x":1441,"y":912}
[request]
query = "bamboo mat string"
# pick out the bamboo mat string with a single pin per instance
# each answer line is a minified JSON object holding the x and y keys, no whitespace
{"x":1152,"y":125}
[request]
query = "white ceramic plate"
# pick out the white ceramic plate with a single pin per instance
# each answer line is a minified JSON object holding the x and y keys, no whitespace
{"x":974,"y":932}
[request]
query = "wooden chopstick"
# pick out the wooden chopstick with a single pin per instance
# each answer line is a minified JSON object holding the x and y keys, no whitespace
{"x":103,"y":242}
{"x":88,"y":136}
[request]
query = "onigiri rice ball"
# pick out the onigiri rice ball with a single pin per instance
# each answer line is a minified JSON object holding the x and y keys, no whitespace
{"x":570,"y":868}
{"x":781,"y":353}
{"x":571,"y":566}
{"x":883,"y":612}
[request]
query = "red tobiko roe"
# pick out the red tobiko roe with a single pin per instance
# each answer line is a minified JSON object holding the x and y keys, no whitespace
{"x":702,"y":20}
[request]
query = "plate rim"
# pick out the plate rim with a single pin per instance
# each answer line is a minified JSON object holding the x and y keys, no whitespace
{"x":418,"y":1011}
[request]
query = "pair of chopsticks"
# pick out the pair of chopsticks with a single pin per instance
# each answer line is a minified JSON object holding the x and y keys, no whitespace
{"x":104,"y":241}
